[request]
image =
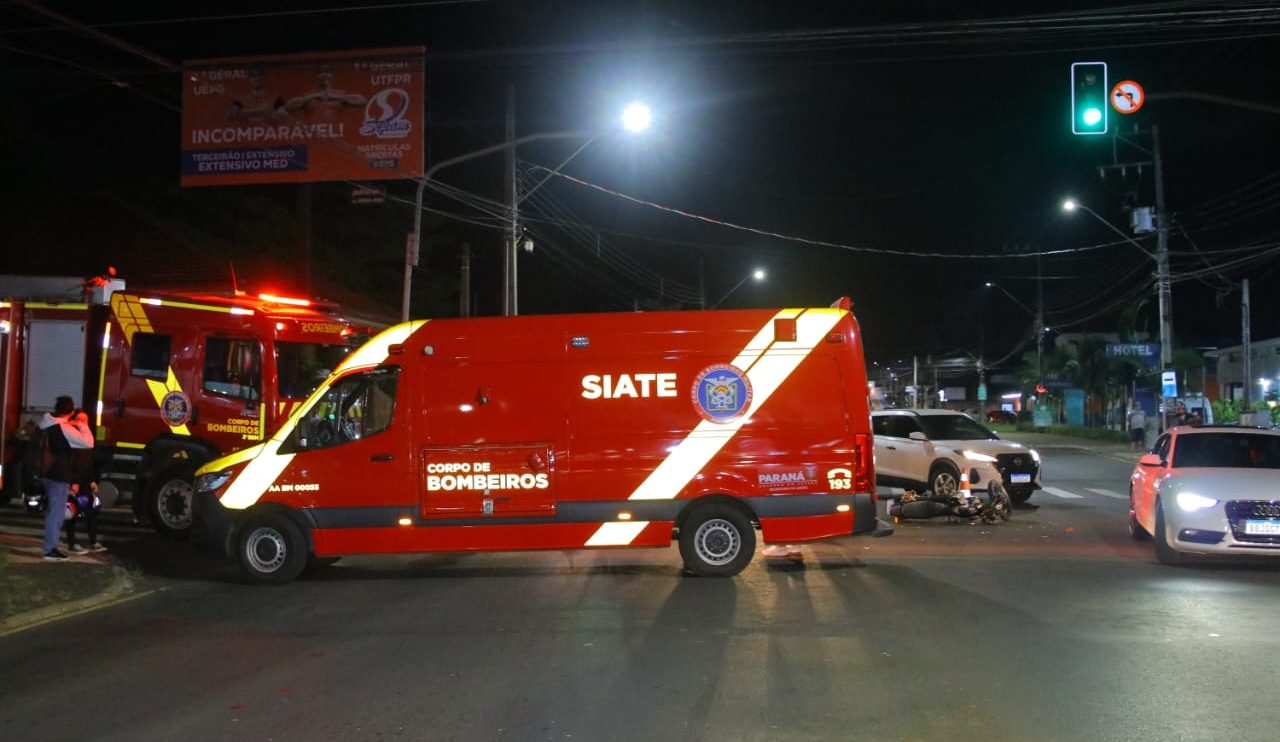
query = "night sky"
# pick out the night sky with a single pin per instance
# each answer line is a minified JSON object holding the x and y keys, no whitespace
{"x":887,"y":143}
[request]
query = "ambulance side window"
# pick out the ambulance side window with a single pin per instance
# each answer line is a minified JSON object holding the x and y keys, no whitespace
{"x":149,"y":355}
{"x":356,"y":407}
{"x":232,"y":367}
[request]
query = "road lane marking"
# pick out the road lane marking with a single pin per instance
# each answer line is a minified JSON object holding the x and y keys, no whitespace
{"x":1063,"y":493}
{"x":1107,"y":493}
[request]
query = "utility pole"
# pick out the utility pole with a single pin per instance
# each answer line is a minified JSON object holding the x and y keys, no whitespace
{"x":511,"y":235}
{"x":1039,"y":323}
{"x":915,"y":381}
{"x":1163,"y":292}
{"x":1162,"y":269}
{"x":1245,"y":341}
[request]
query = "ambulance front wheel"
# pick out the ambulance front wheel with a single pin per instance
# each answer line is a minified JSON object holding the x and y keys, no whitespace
{"x":271,"y":549}
{"x":717,"y":540}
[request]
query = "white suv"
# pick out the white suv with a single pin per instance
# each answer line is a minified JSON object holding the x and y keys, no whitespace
{"x":928,"y":450}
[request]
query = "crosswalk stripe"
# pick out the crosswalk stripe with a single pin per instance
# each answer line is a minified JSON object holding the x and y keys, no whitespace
{"x":1107,"y":493}
{"x":1063,"y":493}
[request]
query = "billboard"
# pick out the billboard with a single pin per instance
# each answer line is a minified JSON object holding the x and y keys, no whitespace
{"x":294,"y":118}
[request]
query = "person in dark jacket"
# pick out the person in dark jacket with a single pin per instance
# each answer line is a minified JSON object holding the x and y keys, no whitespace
{"x":56,"y":428}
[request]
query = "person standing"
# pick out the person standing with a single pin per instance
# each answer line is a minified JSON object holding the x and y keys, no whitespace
{"x":55,"y":429}
{"x":84,"y":485}
{"x":1137,"y":427}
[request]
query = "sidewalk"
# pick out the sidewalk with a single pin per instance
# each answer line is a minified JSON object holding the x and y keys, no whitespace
{"x":33,"y":591}
{"x":1115,"y":450}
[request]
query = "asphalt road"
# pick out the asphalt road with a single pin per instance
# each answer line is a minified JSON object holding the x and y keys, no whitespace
{"x":1054,"y":626}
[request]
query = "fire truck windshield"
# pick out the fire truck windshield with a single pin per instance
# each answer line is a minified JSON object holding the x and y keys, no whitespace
{"x":302,"y":366}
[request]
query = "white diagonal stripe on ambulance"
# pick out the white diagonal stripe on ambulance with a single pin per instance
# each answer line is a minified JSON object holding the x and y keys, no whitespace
{"x":262,"y":472}
{"x":616,"y":534}
{"x":767,"y":364}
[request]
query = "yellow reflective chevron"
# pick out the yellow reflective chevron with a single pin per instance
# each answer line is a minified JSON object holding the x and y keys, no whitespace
{"x":132,"y":317}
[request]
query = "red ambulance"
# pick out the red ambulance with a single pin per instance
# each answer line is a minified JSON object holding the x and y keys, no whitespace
{"x":562,"y":432}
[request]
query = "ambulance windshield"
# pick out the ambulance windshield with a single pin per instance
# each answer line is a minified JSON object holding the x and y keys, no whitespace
{"x":302,"y":366}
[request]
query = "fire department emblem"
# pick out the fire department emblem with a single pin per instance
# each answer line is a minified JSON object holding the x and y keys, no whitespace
{"x":175,"y":408}
{"x":721,"y":393}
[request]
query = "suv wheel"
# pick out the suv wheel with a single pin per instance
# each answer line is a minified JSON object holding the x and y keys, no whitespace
{"x":944,"y":479}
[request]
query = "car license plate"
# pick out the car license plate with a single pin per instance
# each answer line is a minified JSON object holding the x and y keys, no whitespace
{"x":1020,"y":479}
{"x":1262,"y":527}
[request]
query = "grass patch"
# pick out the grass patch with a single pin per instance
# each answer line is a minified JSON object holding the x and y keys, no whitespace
{"x":27,"y":587}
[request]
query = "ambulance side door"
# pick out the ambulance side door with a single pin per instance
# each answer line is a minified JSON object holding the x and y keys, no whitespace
{"x":351,"y":460}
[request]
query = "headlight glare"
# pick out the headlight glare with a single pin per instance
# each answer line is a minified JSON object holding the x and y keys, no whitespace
{"x":1035,"y":456}
{"x":979,"y":456}
{"x":1191,"y":502}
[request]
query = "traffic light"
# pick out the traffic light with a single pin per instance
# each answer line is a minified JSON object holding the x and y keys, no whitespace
{"x":1089,"y":98}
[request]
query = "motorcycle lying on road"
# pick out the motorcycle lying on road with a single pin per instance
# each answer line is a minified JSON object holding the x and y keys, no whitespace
{"x":962,"y":505}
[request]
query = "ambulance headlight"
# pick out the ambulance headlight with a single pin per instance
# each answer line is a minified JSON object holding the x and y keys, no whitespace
{"x":212,"y":481}
{"x":979,"y":456}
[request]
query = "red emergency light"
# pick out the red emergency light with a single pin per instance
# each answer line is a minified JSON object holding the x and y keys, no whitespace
{"x":284,"y":300}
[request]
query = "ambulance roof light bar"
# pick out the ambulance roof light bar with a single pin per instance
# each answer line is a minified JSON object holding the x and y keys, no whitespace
{"x":272,"y":298}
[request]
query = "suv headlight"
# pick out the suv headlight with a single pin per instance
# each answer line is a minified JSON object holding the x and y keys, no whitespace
{"x":212,"y":481}
{"x":1191,"y":502}
{"x":986,"y":458}
{"x":1034,"y":455}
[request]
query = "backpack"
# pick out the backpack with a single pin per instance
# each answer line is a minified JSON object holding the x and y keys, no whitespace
{"x":36,"y":460}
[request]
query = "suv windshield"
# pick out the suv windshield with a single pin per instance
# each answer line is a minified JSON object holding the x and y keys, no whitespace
{"x":1229,"y":450}
{"x":954,"y":428}
{"x":302,"y":366}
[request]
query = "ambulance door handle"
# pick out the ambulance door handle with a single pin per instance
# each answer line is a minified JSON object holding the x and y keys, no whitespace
{"x":892,"y":448}
{"x":120,"y":407}
{"x":382,"y":457}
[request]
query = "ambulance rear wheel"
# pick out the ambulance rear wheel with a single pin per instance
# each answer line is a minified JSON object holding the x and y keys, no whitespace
{"x":169,"y":500}
{"x":271,"y":549}
{"x":717,"y":541}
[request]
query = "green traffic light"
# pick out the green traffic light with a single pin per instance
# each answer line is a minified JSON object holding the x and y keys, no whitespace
{"x":1089,"y":98}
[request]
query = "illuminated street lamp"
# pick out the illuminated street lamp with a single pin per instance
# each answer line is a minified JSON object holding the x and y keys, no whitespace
{"x":758,"y":274}
{"x":635,"y":119}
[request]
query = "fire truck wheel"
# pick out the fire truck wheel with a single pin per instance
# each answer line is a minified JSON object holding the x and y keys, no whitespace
{"x":717,"y":540}
{"x":272,"y":549}
{"x":169,"y":502}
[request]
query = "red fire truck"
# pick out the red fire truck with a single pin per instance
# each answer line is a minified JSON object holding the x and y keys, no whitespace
{"x":562,"y":432}
{"x":170,"y":380}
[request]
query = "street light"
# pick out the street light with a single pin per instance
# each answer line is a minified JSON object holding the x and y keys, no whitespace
{"x":1017,"y":301}
{"x":636,"y":118}
{"x":758,"y":274}
{"x":1038,"y":318}
{"x":1071,"y":205}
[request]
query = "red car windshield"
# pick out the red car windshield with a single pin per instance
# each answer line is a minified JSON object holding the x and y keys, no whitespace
{"x":1227,"y":450}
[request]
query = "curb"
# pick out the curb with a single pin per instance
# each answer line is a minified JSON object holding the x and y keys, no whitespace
{"x":121,"y":590}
